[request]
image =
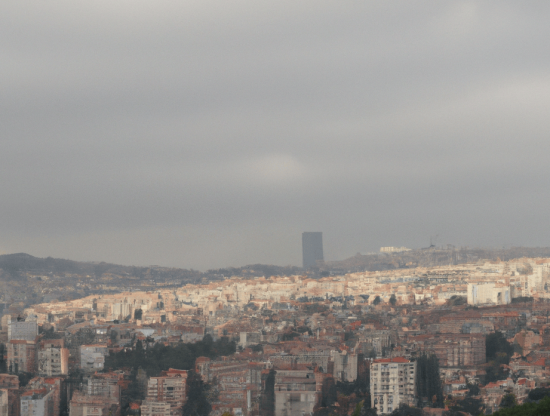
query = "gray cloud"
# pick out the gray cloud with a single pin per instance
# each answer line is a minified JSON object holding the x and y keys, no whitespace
{"x":208,"y":134}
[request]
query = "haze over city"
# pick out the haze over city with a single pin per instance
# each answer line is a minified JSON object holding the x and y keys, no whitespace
{"x":210,"y":134}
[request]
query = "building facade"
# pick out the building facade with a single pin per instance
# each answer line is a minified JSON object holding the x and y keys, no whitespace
{"x":84,"y":405}
{"x":22,"y":330}
{"x":488,"y":293}
{"x":37,"y":403}
{"x":53,"y":358}
{"x":345,"y":366}
{"x":392,"y":382}
{"x":169,"y":387}
{"x":296,"y":392}
{"x":312,"y":248}
{"x":154,"y":408}
{"x":92,"y":357}
{"x":21,"y":356}
{"x":4,"y":402}
{"x":9,"y":385}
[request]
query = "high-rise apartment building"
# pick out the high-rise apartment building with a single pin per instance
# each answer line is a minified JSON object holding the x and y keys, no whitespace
{"x":92,"y":357}
{"x":37,"y":403}
{"x":153,"y":408}
{"x":392,"y":382}
{"x":21,"y":356}
{"x":297,"y":392}
{"x":170,"y":387}
{"x":84,"y":405}
{"x":53,"y":358}
{"x":312,"y":248}
{"x":22,"y":330}
{"x":9,"y":395}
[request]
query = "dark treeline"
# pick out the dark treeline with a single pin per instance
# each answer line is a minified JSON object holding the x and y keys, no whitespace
{"x":528,"y":409}
{"x":498,"y":351}
{"x":160,"y":357}
{"x":267,"y":399}
{"x":3,"y":364}
{"x":14,"y":264}
{"x":428,"y":380}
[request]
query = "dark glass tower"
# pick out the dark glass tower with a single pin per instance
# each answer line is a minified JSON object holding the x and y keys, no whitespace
{"x":312,"y":248}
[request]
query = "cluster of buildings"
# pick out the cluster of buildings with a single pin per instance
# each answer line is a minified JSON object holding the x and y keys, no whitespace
{"x":295,"y":336}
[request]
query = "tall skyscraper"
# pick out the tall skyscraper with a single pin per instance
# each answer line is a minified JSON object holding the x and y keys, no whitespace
{"x":312,"y":248}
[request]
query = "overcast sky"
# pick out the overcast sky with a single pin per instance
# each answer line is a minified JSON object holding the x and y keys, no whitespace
{"x":204,"y":134}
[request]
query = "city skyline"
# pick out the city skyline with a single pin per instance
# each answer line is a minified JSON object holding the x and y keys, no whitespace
{"x":194,"y":136}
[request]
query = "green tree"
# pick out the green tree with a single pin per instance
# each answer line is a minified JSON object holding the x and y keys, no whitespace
{"x":376,"y":300}
{"x":357,"y":410}
{"x":541,"y":408}
{"x":428,"y":380}
{"x":469,"y":405}
{"x":328,"y":392}
{"x":494,"y":371}
{"x":368,"y":411}
{"x":406,"y":410}
{"x":197,"y":403}
{"x":509,"y":400}
{"x":393,"y":300}
{"x":498,"y":348}
{"x":539,"y":393}
{"x":267,"y":398}
{"x":158,"y":357}
{"x":474,"y":389}
{"x":24,"y":378}
{"x":3,"y":364}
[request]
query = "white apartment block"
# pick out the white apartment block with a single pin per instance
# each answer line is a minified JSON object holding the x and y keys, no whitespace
{"x":22,"y":330}
{"x":296,"y":392}
{"x":21,"y":356}
{"x":169,"y":387}
{"x":37,"y":403}
{"x":104,"y":384}
{"x":392,"y":382}
{"x":92,"y":357}
{"x":84,"y":405}
{"x":153,"y":408}
{"x":4,"y":402}
{"x":345,"y":366}
{"x":53,"y":360}
{"x":488,"y":293}
{"x":393,"y":249}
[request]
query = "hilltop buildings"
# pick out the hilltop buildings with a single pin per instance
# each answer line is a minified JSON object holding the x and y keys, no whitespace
{"x":297,"y":339}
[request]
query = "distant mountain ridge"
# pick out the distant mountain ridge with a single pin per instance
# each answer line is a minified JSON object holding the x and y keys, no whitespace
{"x":15,"y":264}
{"x":27,"y":280}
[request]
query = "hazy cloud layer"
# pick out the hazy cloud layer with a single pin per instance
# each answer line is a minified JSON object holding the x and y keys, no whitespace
{"x":207,"y":134}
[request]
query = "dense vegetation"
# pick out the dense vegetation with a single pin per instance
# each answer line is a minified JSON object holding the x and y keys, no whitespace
{"x":428,"y":381}
{"x":197,"y":404}
{"x":498,"y":348}
{"x":3,"y":364}
{"x":528,"y":409}
{"x":267,"y":400}
{"x":498,"y":351}
{"x":148,"y":361}
{"x":182,"y":356}
{"x":539,"y":393}
{"x":467,"y":405}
